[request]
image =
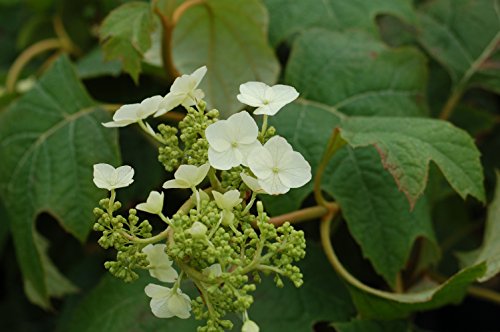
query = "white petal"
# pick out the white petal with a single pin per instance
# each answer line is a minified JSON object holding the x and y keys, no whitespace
{"x":125,"y":176}
{"x":169,"y":102}
{"x":252,"y":183}
{"x":187,"y":174}
{"x":294,"y":170}
{"x":261,"y":162}
{"x":273,"y":185}
{"x":247,"y":149}
{"x":268,"y":109}
{"x":127,"y":113}
{"x":250,"y":326}
{"x":224,"y":160}
{"x":278,"y":147}
{"x":149,"y":106}
{"x":228,"y":200}
{"x":197,"y":230}
{"x":201,"y":173}
{"x":180,"y":305}
{"x":114,"y":124}
{"x":102,"y":173}
{"x":284,"y":94}
{"x":154,"y":203}
{"x":213,"y":270}
{"x":159,"y":308}
{"x":216,"y":135}
{"x":164,"y":273}
{"x":183,"y":85}
{"x":246,"y":129}
{"x":170,"y":184}
{"x":156,"y":291}
{"x":198,"y":75}
{"x":252,"y":93}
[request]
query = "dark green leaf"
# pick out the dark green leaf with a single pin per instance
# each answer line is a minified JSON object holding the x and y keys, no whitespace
{"x":229,"y":37}
{"x":357,"y":74}
{"x":292,"y":17}
{"x":322,"y":297}
{"x":126,"y":35}
{"x":407,"y":145}
{"x":377,"y":214}
{"x":4,"y":227}
{"x":94,"y":65}
{"x":463,"y":36}
{"x":50,"y":138}
{"x":490,"y":249}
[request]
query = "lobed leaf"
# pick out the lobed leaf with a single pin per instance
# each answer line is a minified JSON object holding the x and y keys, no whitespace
{"x":357,"y":74}
{"x":293,"y":17}
{"x":229,"y":37}
{"x":463,"y":35}
{"x":125,"y":34}
{"x":48,"y":139}
{"x":408,"y":145}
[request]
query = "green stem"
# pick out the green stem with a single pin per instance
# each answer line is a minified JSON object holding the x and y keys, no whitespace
{"x":152,"y":134}
{"x":214,"y":181}
{"x":158,"y":237}
{"x":334,"y":144}
{"x":250,"y":204}
{"x":264,"y":126}
{"x":305,"y":214}
{"x":166,"y":219}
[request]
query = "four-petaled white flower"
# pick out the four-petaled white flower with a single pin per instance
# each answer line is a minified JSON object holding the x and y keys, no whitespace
{"x":188,"y":176}
{"x":154,"y":203}
{"x":167,"y":302}
{"x":183,"y":91}
{"x":228,"y":200}
{"x":108,"y":177}
{"x":132,"y":113}
{"x":279,"y":168}
{"x":252,"y":183}
{"x":230,"y":141}
{"x":268,"y":99}
{"x":250,"y":326}
{"x":160,"y":265}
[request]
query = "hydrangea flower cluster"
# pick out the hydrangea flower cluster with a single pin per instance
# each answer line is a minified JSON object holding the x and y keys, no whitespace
{"x":220,"y":240}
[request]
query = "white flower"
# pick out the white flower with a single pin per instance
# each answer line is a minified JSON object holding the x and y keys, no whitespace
{"x":250,"y":326}
{"x":268,"y":99}
{"x":197,"y":230}
{"x":183,"y":91}
{"x":279,"y":168}
{"x":252,"y":183}
{"x":108,"y":177}
{"x":214,"y":270}
{"x":154,"y":203}
{"x":188,"y":176}
{"x":166,"y":302}
{"x":227,"y":201}
{"x":132,"y":113}
{"x":160,"y":265}
{"x":231,"y":140}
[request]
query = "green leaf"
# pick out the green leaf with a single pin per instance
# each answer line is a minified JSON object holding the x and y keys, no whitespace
{"x":408,"y":145}
{"x":291,"y":17}
{"x":463,"y":36}
{"x":357,"y":74}
{"x":94,"y":65}
{"x":322,"y":297}
{"x":377,"y":215}
{"x":4,"y":227}
{"x":359,"y":325}
{"x":386,"y":306}
{"x":50,"y":138}
{"x":489,"y":252}
{"x":125,"y":34}
{"x":229,"y":37}
{"x":116,"y":306}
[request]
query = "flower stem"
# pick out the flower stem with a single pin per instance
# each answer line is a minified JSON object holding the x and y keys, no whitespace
{"x":148,"y":132}
{"x":264,"y":125}
{"x":214,"y":181}
{"x":309,"y":213}
{"x":334,"y":144}
{"x":158,"y":237}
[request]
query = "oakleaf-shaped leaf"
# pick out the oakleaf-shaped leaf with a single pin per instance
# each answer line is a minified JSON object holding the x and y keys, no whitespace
{"x":126,"y":35}
{"x":408,"y":145}
{"x":375,"y":211}
{"x":490,"y":249}
{"x":293,"y":17}
{"x":229,"y":37}
{"x":357,"y":75}
{"x":50,"y":138}
{"x":463,"y":35}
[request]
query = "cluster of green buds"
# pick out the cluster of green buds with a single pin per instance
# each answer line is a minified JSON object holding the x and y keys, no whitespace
{"x":221,"y":238}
